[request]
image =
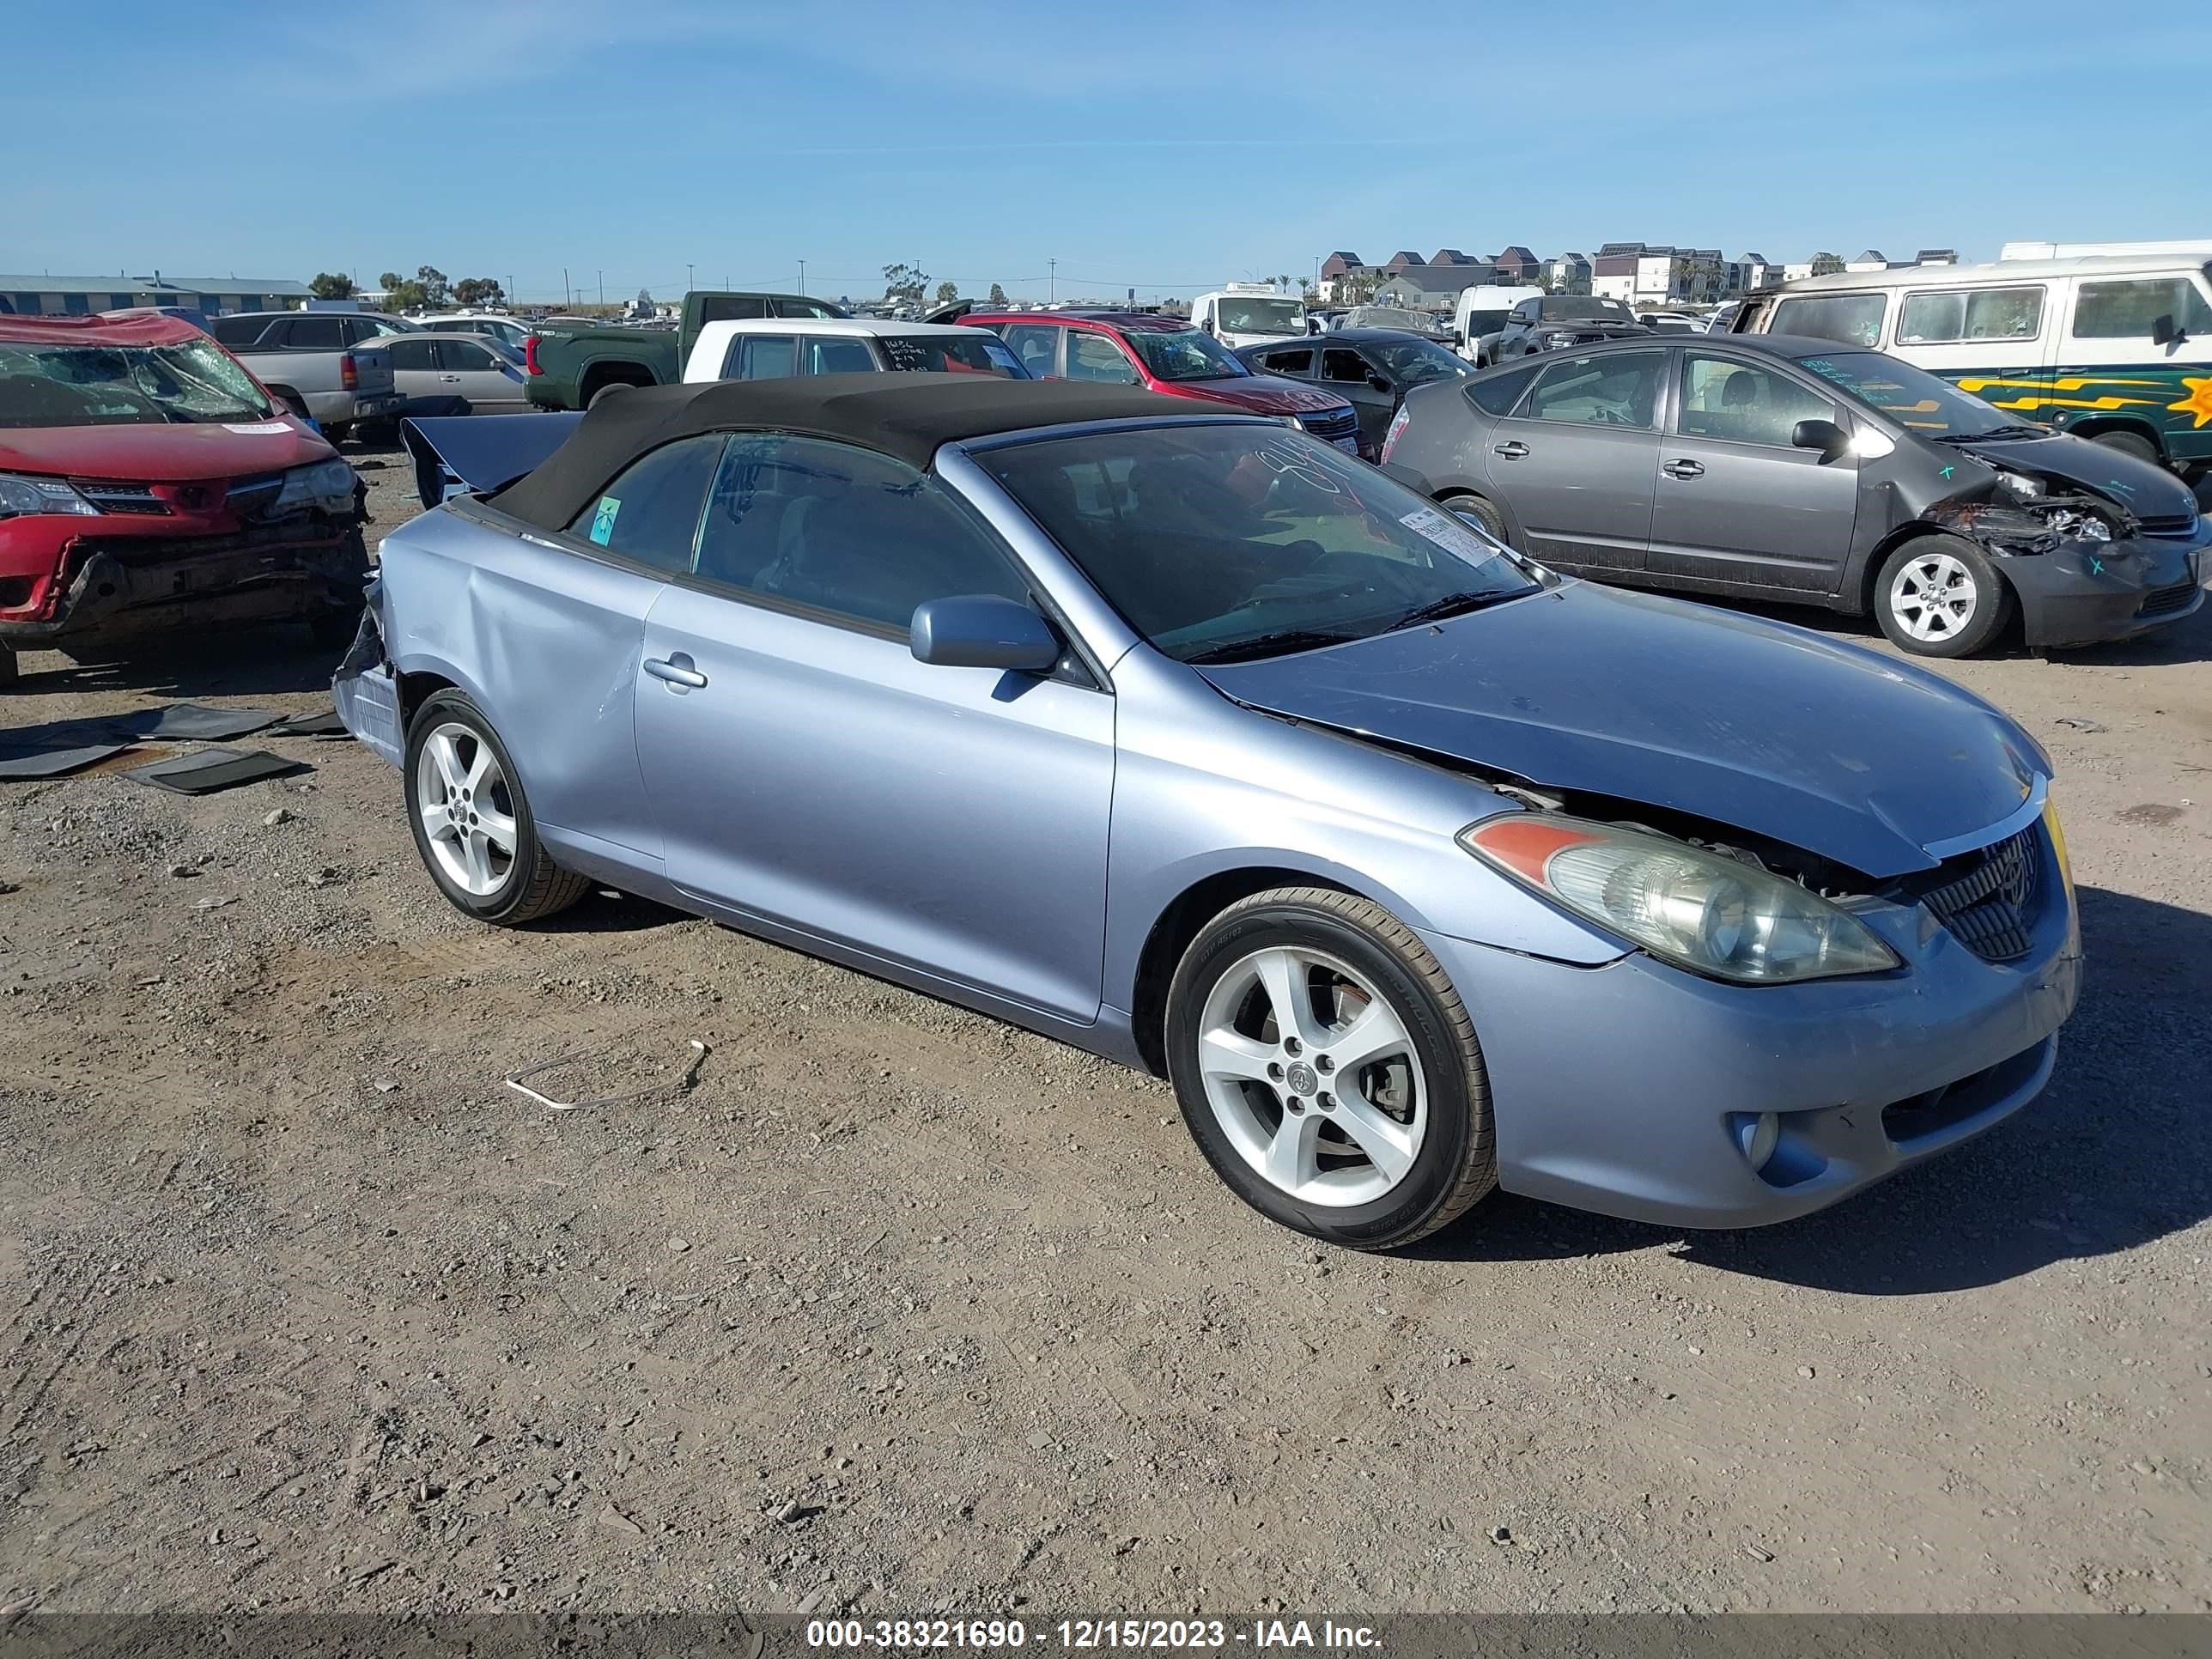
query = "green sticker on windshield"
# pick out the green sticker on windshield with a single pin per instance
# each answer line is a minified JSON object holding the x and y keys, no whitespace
{"x":603,"y":521}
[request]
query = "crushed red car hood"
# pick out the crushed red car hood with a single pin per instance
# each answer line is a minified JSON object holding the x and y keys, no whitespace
{"x":158,"y":453}
{"x":1263,"y":394}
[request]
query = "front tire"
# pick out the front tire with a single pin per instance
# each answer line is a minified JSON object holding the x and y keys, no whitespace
{"x":1328,"y":1071}
{"x":471,"y":821}
{"x":2129,"y":443}
{"x":1939,"y":596}
{"x":1484,"y":513}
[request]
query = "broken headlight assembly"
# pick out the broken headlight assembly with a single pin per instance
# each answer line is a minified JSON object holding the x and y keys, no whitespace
{"x":1705,"y":911}
{"x":326,"y":484}
{"x":24,"y":496}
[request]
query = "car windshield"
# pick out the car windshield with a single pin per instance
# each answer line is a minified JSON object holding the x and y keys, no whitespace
{"x":1911,"y":396}
{"x":962,"y":351}
{"x":1582,"y":308}
{"x":1221,"y":542}
{"x":124,"y":385}
{"x":1242,"y":316}
{"x":1413,"y":362}
{"x":1183,"y":354}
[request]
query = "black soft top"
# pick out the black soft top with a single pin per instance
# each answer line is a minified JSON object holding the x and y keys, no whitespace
{"x":906,"y":416}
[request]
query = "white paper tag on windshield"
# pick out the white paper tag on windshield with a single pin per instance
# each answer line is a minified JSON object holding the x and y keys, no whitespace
{"x":1447,"y":532}
{"x":266,"y":428}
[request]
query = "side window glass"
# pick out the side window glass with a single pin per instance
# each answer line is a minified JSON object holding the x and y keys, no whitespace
{"x":1339,"y":363}
{"x":2127,"y":311}
{"x":239,"y":330}
{"x":1615,"y":388}
{"x":1496,"y":394}
{"x":834,"y":356}
{"x":411,"y":354}
{"x":1298,"y":360}
{"x":844,"y":531}
{"x":316,"y":334}
{"x":1744,"y":404}
{"x":731,"y":309}
{"x":1033,"y":346}
{"x":650,"y":514}
{"x":1846,"y":319}
{"x":1094,"y":357}
{"x":464,"y":354}
{"x":767,"y":357}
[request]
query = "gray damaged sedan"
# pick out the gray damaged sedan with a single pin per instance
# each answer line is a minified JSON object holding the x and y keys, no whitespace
{"x":1420,"y":869}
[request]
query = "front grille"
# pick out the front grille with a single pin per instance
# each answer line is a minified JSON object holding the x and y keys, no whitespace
{"x":1331,"y":423}
{"x":111,"y":497}
{"x":1918,"y":1116}
{"x":2160,"y":600}
{"x":1990,"y":909}
{"x":2170,"y":524}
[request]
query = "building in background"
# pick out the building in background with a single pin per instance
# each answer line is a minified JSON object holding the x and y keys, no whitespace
{"x":84,"y":296}
{"x":1568,"y":273}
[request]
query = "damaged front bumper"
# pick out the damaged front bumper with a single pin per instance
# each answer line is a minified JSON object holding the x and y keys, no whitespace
{"x":2075,"y":591}
{"x":120,"y":587}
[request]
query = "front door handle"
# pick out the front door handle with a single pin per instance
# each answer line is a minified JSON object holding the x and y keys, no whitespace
{"x":677,"y":670}
{"x":1513,"y":449}
{"x":1684,"y":469}
{"x":450,"y":379}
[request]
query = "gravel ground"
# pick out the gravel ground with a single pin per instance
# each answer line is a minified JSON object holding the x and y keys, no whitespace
{"x":897,"y":1309}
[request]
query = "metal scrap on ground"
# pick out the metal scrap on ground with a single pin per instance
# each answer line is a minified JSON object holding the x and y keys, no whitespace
{"x":683,"y":1081}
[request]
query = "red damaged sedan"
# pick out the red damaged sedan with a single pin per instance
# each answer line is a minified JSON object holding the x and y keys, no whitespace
{"x":148,"y":484}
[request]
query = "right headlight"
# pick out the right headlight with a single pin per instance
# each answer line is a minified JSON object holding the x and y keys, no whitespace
{"x":24,"y":494}
{"x":1710,"y":914}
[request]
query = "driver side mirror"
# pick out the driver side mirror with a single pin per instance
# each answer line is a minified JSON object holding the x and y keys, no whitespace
{"x":1377,"y":381}
{"x":1831,"y":439}
{"x":982,"y":631}
{"x":2166,"y":331}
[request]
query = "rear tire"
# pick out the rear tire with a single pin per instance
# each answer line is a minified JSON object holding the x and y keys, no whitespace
{"x":337,"y":432}
{"x":1288,"y":1124}
{"x":2130,"y":443}
{"x":1482,"y":512}
{"x":1939,"y":596}
{"x":478,"y":801}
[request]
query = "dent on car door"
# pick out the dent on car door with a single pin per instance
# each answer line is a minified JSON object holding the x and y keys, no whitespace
{"x":552,"y":626}
{"x":1736,"y":504}
{"x":1577,"y":461}
{"x":809,"y":774}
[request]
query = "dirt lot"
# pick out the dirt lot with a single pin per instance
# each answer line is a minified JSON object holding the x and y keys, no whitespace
{"x":897,"y":1309}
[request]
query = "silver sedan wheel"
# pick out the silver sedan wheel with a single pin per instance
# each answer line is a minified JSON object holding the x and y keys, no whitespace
{"x":1933,"y":597}
{"x":467,"y":808}
{"x":1313,"y":1076}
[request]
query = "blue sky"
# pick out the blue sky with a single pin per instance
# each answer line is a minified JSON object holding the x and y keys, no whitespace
{"x":1166,"y":147}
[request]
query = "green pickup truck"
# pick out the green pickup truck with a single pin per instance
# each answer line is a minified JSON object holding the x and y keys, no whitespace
{"x":573,"y":366}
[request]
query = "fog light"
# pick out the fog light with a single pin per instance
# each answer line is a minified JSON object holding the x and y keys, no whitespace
{"x":1756,"y":1135}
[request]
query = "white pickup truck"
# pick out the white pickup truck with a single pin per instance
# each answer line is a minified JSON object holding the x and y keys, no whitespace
{"x":331,"y":365}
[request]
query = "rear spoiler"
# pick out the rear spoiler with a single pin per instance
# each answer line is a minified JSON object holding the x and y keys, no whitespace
{"x":480,"y":454}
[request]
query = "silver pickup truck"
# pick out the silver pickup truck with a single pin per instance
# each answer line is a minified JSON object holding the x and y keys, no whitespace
{"x":331,"y":364}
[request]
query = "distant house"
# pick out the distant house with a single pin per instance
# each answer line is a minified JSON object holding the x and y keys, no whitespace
{"x":1403,"y":259}
{"x":1872,"y":259}
{"x":1517,"y":265}
{"x":1936,"y":256}
{"x":1334,"y":270}
{"x":84,"y":296}
{"x":1568,"y":273}
{"x":1644,"y":274}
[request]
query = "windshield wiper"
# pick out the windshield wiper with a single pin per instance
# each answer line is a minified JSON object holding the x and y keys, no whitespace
{"x":1452,"y":605}
{"x":2015,"y":430}
{"x":1277,"y":644}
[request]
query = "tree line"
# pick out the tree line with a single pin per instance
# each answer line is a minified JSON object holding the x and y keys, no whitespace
{"x":428,"y":286}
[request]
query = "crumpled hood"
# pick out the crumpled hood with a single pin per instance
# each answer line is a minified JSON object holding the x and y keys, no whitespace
{"x":1770,"y":728}
{"x":2145,"y":490}
{"x":1262,"y":394}
{"x":162,"y":453}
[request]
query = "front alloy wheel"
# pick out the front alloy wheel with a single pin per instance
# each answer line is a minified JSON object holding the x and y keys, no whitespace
{"x":1328,"y":1071}
{"x":1938,"y":596}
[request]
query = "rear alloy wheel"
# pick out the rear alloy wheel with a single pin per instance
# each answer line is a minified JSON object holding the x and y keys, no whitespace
{"x":1939,"y":596}
{"x":472,"y":824}
{"x":1328,"y":1071}
{"x":1483,"y":513}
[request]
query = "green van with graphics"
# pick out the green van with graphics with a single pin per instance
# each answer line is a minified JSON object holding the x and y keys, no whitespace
{"x":2117,"y":346}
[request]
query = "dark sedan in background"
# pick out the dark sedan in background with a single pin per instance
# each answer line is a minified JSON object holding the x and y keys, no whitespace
{"x":1373,"y":367}
{"x":1775,"y":467}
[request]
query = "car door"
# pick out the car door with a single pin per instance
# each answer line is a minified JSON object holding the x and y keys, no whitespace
{"x":1292,"y":362}
{"x":570,"y":608}
{"x":414,"y":366}
{"x":1577,"y":461}
{"x":761,"y":357}
{"x":1353,"y":375}
{"x":809,"y":774}
{"x":1037,"y":345}
{"x":1099,"y":359}
{"x":468,"y":369}
{"x":1735,"y":502}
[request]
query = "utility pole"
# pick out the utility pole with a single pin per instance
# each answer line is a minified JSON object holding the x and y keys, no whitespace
{"x":1051,"y":281}
{"x":510,"y":290}
{"x":802,"y":276}
{"x":688,"y":284}
{"x":567,"y":293}
{"x":603,"y":288}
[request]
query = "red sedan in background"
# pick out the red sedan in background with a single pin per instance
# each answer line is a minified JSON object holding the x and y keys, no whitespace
{"x":149,"y":482}
{"x":1164,"y":354}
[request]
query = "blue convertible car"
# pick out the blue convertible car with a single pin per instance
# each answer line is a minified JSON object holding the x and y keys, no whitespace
{"x":1419,"y":869}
